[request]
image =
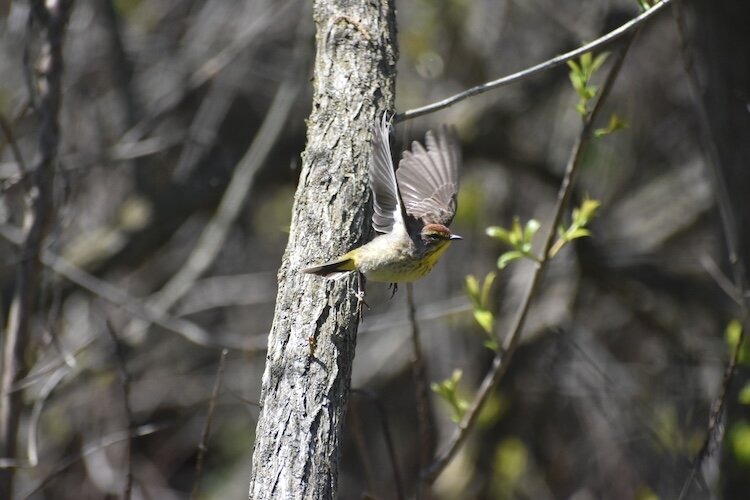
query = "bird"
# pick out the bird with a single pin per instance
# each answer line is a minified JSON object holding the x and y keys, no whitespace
{"x":413,"y":209}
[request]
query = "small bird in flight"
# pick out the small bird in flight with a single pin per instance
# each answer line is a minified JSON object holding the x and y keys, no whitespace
{"x":414,"y":206}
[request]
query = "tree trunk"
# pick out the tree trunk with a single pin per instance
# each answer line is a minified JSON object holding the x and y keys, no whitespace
{"x":312,"y":340}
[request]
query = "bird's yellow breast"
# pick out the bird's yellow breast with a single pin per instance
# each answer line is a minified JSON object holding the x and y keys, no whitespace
{"x":393,"y":260}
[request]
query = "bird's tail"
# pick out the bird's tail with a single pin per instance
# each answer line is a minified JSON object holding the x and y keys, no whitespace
{"x":334,"y":269}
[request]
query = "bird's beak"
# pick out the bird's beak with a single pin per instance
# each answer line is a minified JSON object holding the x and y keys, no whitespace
{"x":455,"y":237}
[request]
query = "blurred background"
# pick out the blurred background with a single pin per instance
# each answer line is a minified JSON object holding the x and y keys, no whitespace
{"x":168,"y":119}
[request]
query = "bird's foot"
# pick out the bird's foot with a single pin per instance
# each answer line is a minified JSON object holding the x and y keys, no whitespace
{"x":360,"y":294}
{"x":393,"y":287}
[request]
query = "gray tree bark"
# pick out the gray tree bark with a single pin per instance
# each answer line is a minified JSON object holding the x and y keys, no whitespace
{"x":312,"y":340}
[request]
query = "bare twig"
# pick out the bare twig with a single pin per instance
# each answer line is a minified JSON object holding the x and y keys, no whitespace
{"x":722,"y":281}
{"x":215,"y":233}
{"x":502,"y":360}
{"x":203,"y":446}
{"x":425,"y":420}
{"x":11,"y":139}
{"x":550,"y":63}
{"x":53,"y":18}
{"x":35,"y":377}
{"x":715,"y":432}
{"x":209,"y":69}
{"x":93,"y":447}
{"x":125,"y":382}
{"x":373,"y":397}
{"x":32,"y":444}
{"x":110,"y":293}
{"x":119,"y":153}
{"x":121,"y":64}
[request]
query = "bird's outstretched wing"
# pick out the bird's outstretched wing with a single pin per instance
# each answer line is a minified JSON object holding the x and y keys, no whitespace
{"x":428,"y":177}
{"x":388,"y":211}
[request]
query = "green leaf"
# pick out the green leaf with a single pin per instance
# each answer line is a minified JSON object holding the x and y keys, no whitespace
{"x":579,"y":82}
{"x":491,"y":344}
{"x":487,"y":288}
{"x":598,"y":61}
{"x":586,"y":61}
{"x":615,"y":123}
{"x":472,"y":288}
{"x":447,"y":389}
{"x":485,"y":319}
{"x":744,"y":396}
{"x":509,"y":257}
{"x":644,"y":4}
{"x":499,"y":233}
{"x":732,"y":334}
{"x":589,"y":208}
{"x":645,"y":493}
{"x":531,"y":228}
{"x":580,"y":74}
{"x":516,"y":233}
{"x":739,"y":438}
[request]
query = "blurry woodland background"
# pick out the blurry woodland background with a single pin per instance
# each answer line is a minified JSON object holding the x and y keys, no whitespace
{"x":171,"y":106}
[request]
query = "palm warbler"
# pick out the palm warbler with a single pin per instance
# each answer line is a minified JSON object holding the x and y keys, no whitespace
{"x":413,"y":207}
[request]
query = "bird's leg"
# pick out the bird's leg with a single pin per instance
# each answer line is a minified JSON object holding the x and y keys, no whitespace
{"x":360,"y":294}
{"x":393,"y":287}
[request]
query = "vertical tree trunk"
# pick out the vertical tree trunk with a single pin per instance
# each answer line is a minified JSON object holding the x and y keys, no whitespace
{"x":312,"y":341}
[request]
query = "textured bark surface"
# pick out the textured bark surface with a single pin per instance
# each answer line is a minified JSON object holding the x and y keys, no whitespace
{"x":312,"y":341}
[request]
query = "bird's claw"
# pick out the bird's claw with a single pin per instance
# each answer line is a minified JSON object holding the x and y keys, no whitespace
{"x":360,"y":294}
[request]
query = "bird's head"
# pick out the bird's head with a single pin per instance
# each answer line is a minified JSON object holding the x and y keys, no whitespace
{"x":437,"y":235}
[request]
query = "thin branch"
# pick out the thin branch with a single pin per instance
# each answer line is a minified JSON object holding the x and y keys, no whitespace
{"x":209,"y":69}
{"x":715,"y":430}
{"x":119,"y":153}
{"x":39,"y":214}
{"x":373,"y":397}
{"x":550,"y":63}
{"x":32,"y":459}
{"x":93,"y":447}
{"x":502,"y":360}
{"x":425,"y":421}
{"x":121,"y":65}
{"x":35,"y":377}
{"x":214,"y":235}
{"x":203,"y":446}
{"x":125,"y":383}
{"x":11,"y":139}
{"x":110,"y":293}
{"x":722,"y":281}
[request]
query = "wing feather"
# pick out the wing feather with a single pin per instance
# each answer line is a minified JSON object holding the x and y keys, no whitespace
{"x":428,"y":177}
{"x":388,"y":212}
